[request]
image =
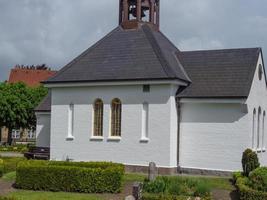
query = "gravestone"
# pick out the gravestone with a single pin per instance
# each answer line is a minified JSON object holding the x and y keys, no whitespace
{"x":130,"y":198}
{"x":152,"y":171}
{"x":137,"y":191}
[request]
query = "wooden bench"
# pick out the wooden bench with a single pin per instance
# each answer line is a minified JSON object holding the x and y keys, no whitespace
{"x":38,"y":153}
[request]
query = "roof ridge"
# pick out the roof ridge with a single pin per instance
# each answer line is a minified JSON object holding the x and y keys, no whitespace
{"x":66,"y":67}
{"x":227,"y":49}
{"x":175,"y":55}
{"x":156,"y":48}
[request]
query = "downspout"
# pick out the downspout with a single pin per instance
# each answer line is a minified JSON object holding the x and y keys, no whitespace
{"x":178,"y":107}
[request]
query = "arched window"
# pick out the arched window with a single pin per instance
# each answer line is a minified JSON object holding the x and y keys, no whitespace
{"x":263,"y":130}
{"x":116,"y":118}
{"x":253,"y":128}
{"x":98,"y":118}
{"x":258,"y":128}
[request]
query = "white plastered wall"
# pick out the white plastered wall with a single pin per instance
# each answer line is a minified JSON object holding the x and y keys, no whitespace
{"x":215,"y":134}
{"x":258,"y":99}
{"x":162,"y":132}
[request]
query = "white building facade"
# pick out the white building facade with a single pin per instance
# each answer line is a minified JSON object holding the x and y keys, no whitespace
{"x":134,"y":98}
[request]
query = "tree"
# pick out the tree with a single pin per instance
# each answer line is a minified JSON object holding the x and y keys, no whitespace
{"x":17,"y":103}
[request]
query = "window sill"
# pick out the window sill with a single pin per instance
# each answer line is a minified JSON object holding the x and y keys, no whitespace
{"x":97,"y":138}
{"x":263,"y":150}
{"x":70,"y":138}
{"x":258,"y":150}
{"x":144,"y":140}
{"x":114,"y":138}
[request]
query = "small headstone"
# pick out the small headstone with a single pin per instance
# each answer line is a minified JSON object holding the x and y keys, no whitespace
{"x":130,"y":198}
{"x":152,"y":171}
{"x":137,"y":191}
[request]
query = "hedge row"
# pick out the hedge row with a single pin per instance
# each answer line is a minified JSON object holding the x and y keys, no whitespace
{"x":1,"y":167}
{"x":87,"y":177}
{"x":247,"y":193}
{"x":15,"y":148}
{"x":7,"y":198}
{"x":147,"y":196}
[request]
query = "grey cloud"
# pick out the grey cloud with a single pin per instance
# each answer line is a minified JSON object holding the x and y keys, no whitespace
{"x":55,"y":31}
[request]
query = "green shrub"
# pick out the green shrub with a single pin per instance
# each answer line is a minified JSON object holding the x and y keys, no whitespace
{"x":1,"y":167}
{"x":258,"y":179}
{"x":176,"y":186}
{"x":202,"y":189}
{"x":156,"y":187}
{"x":87,"y":177}
{"x":250,"y":161}
{"x":247,"y":193}
{"x":237,"y":175}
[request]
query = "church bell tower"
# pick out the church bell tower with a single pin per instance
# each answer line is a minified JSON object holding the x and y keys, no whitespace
{"x":134,"y":13}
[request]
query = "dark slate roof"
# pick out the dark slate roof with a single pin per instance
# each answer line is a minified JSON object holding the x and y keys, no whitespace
{"x":45,"y":105}
{"x":139,"y":54}
{"x":219,"y":73}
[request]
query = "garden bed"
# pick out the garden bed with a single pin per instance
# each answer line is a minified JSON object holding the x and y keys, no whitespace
{"x":248,"y":187}
{"x":176,"y":188}
{"x":86,"y":177}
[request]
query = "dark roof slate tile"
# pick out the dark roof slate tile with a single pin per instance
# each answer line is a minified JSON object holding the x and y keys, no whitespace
{"x":140,"y":54}
{"x":219,"y":73}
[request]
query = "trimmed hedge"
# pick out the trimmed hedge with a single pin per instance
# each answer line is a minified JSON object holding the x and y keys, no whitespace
{"x":86,"y":177}
{"x":247,"y":193}
{"x":20,"y":148}
{"x":1,"y":167}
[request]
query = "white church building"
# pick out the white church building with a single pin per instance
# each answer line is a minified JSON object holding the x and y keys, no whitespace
{"x":135,"y":98}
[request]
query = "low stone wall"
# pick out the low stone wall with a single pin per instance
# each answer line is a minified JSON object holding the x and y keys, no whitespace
{"x":173,"y":171}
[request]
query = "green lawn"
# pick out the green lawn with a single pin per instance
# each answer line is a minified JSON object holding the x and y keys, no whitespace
{"x":216,"y":182}
{"x":10,"y":164}
{"x":34,"y":195}
{"x":11,"y":176}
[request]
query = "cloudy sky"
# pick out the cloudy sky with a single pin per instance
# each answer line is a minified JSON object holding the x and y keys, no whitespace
{"x":56,"y":31}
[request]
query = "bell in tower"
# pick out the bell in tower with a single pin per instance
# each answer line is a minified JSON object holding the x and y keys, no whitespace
{"x":134,"y":13}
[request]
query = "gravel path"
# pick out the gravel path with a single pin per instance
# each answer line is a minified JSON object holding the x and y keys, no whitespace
{"x":6,"y":187}
{"x":224,"y":195}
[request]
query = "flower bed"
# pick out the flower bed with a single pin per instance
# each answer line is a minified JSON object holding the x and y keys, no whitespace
{"x":87,"y":177}
{"x":175,"y":188}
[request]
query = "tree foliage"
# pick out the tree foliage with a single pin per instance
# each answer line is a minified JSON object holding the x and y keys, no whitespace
{"x":17,"y":103}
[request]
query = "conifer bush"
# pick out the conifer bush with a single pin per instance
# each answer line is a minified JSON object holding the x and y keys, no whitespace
{"x":250,"y":161}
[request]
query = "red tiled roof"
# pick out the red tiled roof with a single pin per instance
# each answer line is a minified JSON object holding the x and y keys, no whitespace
{"x":30,"y":77}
